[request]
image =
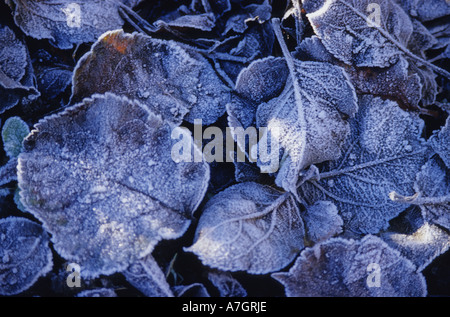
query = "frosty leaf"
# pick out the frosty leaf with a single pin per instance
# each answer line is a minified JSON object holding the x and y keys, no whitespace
{"x":13,"y":55}
{"x":146,"y":276}
{"x":8,"y":172}
{"x":16,"y":73}
{"x":67,"y":22}
{"x":238,"y":23}
{"x":308,"y":117}
{"x":383,"y":154}
{"x":322,"y":221}
{"x":348,"y":268}
{"x":226,"y":284}
{"x":54,"y":81}
{"x":359,"y":36}
{"x":425,"y":10}
{"x":173,"y":81}
{"x":420,"y":247}
{"x":249,"y":227}
{"x":344,"y":30}
{"x":312,"y":48}
{"x":394,"y":82}
{"x":24,"y":254}
{"x":99,"y":292}
{"x":263,"y":79}
{"x":13,"y":132}
{"x":440,"y":142}
{"x":101,"y":178}
{"x":433,"y":189}
{"x":421,"y":39}
{"x":185,"y":18}
{"x":256,"y":42}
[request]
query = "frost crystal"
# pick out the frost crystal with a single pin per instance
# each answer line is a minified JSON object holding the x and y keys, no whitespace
{"x":85,"y":174}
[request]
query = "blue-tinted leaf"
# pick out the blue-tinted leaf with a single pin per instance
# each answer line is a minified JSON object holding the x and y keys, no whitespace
{"x":147,"y":277}
{"x":16,"y":72}
{"x":346,"y":268}
{"x":67,"y":22}
{"x":24,"y":254}
{"x":322,"y":221}
{"x":440,"y":142}
{"x":101,"y":178}
{"x":249,"y":227}
{"x":172,"y":80}
{"x":383,"y":154}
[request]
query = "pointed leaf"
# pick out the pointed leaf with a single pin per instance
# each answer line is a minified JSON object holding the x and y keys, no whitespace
{"x":311,"y":127}
{"x":148,"y":278}
{"x":249,"y":227}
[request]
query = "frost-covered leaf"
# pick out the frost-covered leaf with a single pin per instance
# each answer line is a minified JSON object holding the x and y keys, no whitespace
{"x":364,"y":33}
{"x":308,"y":118}
{"x":343,"y":27}
{"x":396,"y":82}
{"x":238,"y":23}
{"x":146,"y":276}
{"x":183,"y":17}
{"x":8,"y":172}
{"x":99,"y":292}
{"x":249,"y":227}
{"x":433,"y":187}
{"x":53,"y":81}
{"x":440,"y":142}
{"x":13,"y":132}
{"x":24,"y":254}
{"x":16,"y":72}
{"x":226,"y":284}
{"x":420,"y":247}
{"x":312,"y":48}
{"x":421,"y":39}
{"x":348,"y":268}
{"x":100,"y":177}
{"x":262,"y":80}
{"x":174,"y":81}
{"x":383,"y":154}
{"x":425,"y":10}
{"x":322,"y":221}
{"x":67,"y":22}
